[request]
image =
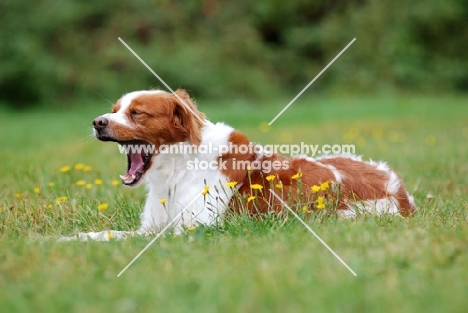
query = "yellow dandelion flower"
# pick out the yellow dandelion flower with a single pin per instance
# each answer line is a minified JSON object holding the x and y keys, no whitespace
{"x":315,"y":188}
{"x":98,"y":181}
{"x":430,"y":140}
{"x":18,"y":195}
{"x":115,"y":182}
{"x":61,"y":199}
{"x":162,"y":201}
{"x":103,"y":206}
{"x":270,"y":177}
{"x":89,"y":186}
{"x":48,"y":206}
{"x":249,"y":168}
{"x":110,"y":235}
{"x":251,"y":198}
{"x":87,"y":168}
{"x":80,"y":183}
{"x":279,"y":186}
{"x":51,"y":184}
{"x":231,"y":184}
{"x":325,"y":185}
{"x":297,"y":175}
{"x":264,"y":127}
{"x":79,"y":166}
{"x":205,"y":190}
{"x":304,"y":209}
{"x":37,"y":190}
{"x":191,"y":228}
{"x":64,"y":169}
{"x":256,"y":187}
{"x":320,"y":203}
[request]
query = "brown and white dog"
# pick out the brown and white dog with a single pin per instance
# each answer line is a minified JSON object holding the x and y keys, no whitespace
{"x":161,"y":132}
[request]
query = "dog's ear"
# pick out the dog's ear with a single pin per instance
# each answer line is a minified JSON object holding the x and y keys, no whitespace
{"x":186,"y":118}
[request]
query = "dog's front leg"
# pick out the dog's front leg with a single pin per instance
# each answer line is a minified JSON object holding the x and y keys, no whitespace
{"x":105,"y":235}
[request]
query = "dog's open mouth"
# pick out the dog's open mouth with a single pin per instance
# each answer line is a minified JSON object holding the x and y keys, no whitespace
{"x":139,"y":155}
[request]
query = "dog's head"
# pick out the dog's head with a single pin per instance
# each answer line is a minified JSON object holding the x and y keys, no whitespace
{"x":142,"y":121}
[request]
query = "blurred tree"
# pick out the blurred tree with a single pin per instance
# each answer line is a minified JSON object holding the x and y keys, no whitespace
{"x":54,"y":51}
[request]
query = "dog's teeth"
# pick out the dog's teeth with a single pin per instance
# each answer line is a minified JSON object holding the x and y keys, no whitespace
{"x":127,"y":178}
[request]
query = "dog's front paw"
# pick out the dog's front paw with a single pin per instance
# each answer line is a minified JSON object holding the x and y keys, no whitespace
{"x":105,"y":235}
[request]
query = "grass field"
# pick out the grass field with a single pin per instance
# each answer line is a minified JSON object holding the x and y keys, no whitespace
{"x":57,"y":180}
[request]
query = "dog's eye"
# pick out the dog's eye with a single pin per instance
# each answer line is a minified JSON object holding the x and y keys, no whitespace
{"x":134,"y":112}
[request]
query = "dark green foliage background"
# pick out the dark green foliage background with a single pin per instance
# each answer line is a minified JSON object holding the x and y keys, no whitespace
{"x":53,"y":52}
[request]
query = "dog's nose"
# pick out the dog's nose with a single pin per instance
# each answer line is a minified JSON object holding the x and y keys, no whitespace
{"x":100,"y":123}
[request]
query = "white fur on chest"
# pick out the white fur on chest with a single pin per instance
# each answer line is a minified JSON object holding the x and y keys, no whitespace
{"x":170,"y":179}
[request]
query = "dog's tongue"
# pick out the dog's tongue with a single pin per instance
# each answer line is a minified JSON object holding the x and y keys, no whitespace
{"x":136,"y":163}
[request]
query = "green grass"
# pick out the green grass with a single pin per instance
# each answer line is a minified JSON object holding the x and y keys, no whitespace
{"x":271,"y":264}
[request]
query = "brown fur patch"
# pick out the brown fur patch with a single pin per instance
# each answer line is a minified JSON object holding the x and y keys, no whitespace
{"x":116,"y":107}
{"x":360,"y":179}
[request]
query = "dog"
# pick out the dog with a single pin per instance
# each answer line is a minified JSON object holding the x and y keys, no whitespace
{"x":163,"y":135}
